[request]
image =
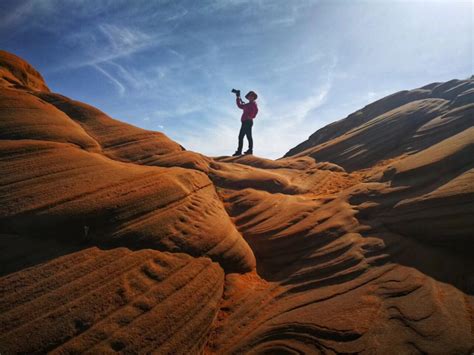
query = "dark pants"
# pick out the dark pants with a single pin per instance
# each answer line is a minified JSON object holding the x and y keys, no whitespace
{"x":245,"y":130}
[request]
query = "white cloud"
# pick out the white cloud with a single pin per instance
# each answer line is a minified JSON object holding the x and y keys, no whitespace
{"x":27,"y":13}
{"x":16,"y":16}
{"x":125,"y":74}
{"x":182,"y":12}
{"x":103,"y":45}
{"x":119,"y":86}
{"x":298,"y":63}
{"x":183,"y":109}
{"x":123,"y":38}
{"x":107,"y":42}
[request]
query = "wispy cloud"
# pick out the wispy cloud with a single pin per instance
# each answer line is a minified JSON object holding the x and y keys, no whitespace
{"x":104,"y":45}
{"x":299,"y":63}
{"x":16,"y":15}
{"x":126,"y":75}
{"x":298,"y":110}
{"x":120,"y":87}
{"x":183,"y":109}
{"x":108,"y":42}
{"x":292,"y":125}
{"x":178,"y":15}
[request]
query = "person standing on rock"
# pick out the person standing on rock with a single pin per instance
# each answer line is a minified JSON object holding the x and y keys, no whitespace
{"x":250,"y":111}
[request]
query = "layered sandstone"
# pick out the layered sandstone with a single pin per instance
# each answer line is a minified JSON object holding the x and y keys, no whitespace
{"x":117,"y":239}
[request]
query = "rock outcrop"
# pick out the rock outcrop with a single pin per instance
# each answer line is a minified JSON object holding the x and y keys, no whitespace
{"x":117,"y":239}
{"x":400,"y":124}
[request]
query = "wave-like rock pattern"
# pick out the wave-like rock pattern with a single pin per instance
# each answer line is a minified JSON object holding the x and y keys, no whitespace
{"x":385,"y":131}
{"x":333,"y":285}
{"x":61,"y":183}
{"x":117,"y":239}
{"x":441,"y":208}
{"x":103,"y":301}
{"x":24,"y":116}
{"x":124,"y":142}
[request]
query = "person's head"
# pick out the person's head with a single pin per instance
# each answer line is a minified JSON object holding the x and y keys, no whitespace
{"x":251,"y":96}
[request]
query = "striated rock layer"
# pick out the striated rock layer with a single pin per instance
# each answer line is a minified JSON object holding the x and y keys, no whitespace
{"x":117,"y":239}
{"x":101,"y":301}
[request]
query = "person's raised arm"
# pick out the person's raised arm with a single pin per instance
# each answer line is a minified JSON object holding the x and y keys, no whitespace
{"x":239,"y":102}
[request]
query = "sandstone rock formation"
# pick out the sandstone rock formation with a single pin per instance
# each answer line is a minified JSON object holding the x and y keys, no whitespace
{"x":115,"y":238}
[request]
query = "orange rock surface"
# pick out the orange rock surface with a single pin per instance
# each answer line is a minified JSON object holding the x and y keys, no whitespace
{"x":117,"y":239}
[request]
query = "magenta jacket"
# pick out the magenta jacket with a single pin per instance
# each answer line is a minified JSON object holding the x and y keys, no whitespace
{"x":250,"y":109}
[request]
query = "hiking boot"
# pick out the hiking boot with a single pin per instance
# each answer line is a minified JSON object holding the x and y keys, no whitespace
{"x":237,"y":153}
{"x":250,"y":151}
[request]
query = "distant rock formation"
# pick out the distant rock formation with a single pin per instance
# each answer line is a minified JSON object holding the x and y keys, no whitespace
{"x":400,"y":124}
{"x":117,"y":239}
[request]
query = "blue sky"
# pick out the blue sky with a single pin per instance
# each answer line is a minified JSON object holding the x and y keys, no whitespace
{"x":170,"y":65}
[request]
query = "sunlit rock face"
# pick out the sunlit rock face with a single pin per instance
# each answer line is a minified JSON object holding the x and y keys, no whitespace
{"x":117,"y":239}
{"x":69,"y":171}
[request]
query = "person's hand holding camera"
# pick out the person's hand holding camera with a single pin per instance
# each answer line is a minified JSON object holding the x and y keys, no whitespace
{"x":236,"y":92}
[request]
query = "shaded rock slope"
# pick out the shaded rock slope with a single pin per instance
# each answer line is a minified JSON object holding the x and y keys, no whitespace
{"x":117,"y":239}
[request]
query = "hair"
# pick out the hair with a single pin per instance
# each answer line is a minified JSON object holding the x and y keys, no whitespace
{"x":253,"y":94}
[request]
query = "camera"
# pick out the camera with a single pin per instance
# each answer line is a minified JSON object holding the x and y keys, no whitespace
{"x":236,"y":92}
